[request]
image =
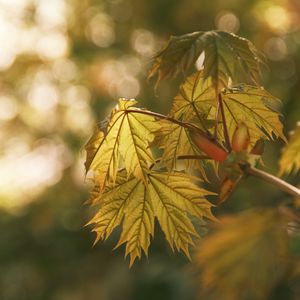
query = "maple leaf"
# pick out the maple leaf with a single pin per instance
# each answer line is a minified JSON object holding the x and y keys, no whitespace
{"x":254,"y":107}
{"x":128,"y":136}
{"x":251,"y":105}
{"x":176,"y":142}
{"x":92,"y":146}
{"x":227,"y":56}
{"x":195,"y":90}
{"x":175,"y":197}
{"x":171,"y":197}
{"x":290,"y":158}
{"x":126,"y":199}
{"x":243,"y":258}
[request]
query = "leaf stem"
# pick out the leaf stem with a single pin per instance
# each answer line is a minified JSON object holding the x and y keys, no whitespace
{"x":225,"y":129}
{"x":217,"y":120}
{"x":175,"y":121}
{"x":281,"y":184}
{"x":200,"y":119}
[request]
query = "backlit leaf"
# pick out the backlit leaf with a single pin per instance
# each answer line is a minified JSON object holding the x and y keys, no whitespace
{"x":176,"y":142}
{"x":290,"y":159}
{"x":171,"y":198}
{"x":137,"y":132}
{"x":254,"y":107}
{"x":92,"y":146}
{"x":195,"y":90}
{"x":128,"y":135}
{"x":226,"y":56}
{"x":175,"y":197}
{"x":250,"y":105}
{"x":245,"y":257}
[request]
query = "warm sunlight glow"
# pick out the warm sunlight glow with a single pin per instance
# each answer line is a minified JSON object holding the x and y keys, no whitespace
{"x":277,"y":18}
{"x":32,"y":171}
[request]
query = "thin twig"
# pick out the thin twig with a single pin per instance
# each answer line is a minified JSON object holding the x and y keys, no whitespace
{"x":281,"y":184}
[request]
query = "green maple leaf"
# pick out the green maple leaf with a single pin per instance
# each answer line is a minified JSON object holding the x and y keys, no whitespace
{"x":290,"y":158}
{"x":170,"y":197}
{"x":227,"y":56}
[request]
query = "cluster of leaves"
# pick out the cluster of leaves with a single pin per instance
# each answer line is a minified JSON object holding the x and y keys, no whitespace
{"x":220,"y":117}
{"x":130,"y":190}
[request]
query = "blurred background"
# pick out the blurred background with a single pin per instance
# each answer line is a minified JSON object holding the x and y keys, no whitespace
{"x":63,"y":65}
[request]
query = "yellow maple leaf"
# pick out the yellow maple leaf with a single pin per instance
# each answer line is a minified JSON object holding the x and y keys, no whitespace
{"x":92,"y":146}
{"x":170,"y":197}
{"x":176,"y":142}
{"x":245,"y":257}
{"x":128,"y":136}
{"x":290,"y":158}
{"x":175,"y":197}
{"x":250,"y":105}
{"x":254,"y":107}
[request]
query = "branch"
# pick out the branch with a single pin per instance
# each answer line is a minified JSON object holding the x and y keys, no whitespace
{"x":281,"y":184}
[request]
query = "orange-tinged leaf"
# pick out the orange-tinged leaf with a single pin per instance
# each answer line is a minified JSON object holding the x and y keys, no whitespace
{"x":208,"y":146}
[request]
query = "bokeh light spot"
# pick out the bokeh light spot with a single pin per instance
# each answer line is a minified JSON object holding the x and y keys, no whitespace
{"x":228,"y":21}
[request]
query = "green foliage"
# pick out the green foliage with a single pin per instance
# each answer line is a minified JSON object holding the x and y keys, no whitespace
{"x":227,"y":56}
